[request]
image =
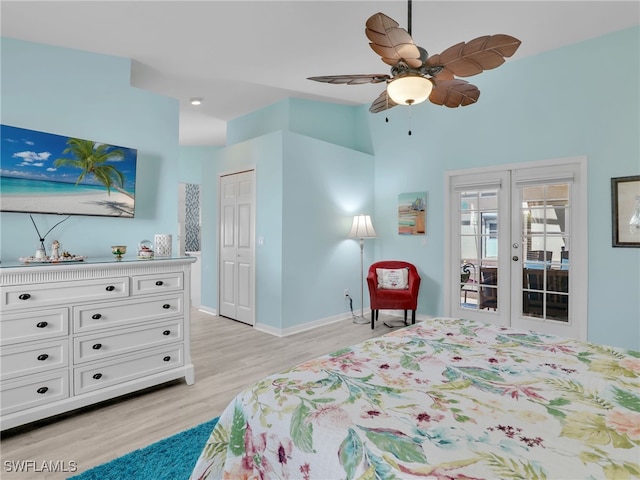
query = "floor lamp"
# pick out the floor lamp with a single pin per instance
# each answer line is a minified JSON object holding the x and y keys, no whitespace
{"x":362,"y":228}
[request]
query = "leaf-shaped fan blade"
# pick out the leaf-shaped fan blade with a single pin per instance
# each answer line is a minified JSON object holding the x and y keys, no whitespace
{"x":391,"y":42}
{"x":454,"y":93}
{"x":443,"y":75}
{"x":383,"y":102}
{"x":471,"y":58}
{"x":352,"y":79}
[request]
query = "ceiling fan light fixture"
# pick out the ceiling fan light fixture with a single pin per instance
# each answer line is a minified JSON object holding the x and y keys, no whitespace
{"x":409,"y":89}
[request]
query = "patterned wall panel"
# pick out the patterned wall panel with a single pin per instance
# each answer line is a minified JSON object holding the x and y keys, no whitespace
{"x":192,"y":217}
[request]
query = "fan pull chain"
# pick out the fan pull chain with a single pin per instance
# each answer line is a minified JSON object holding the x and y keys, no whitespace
{"x":386,"y":99}
{"x":410,"y":119}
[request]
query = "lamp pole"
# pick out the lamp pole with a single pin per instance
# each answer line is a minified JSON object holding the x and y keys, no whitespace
{"x":362,"y":228}
{"x":362,"y":277}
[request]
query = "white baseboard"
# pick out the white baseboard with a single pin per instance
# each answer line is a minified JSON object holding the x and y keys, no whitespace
{"x":207,"y":310}
{"x":284,"y":332}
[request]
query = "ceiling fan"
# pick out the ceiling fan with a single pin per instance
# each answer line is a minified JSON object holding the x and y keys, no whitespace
{"x":416,"y":76}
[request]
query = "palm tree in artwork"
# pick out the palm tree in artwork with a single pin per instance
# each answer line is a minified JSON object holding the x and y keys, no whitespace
{"x":92,"y":159}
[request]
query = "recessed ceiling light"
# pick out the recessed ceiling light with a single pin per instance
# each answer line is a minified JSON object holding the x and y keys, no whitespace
{"x":196,"y":101}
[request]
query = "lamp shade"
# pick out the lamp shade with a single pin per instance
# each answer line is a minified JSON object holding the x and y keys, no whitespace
{"x":409,"y":89}
{"x":362,"y":227}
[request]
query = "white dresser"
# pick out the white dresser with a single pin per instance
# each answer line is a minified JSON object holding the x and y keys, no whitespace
{"x":79,"y":333}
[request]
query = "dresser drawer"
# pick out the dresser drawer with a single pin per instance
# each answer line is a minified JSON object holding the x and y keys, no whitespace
{"x":107,"y":315}
{"x":33,"y":391}
{"x":127,"y":368}
{"x":39,"y":325}
{"x":63,"y":293}
{"x":33,"y":358}
{"x":107,"y":344}
{"x":163,"y":282}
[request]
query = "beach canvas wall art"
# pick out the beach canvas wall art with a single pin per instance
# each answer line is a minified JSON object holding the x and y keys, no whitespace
{"x":412,"y":213}
{"x":47,"y":173}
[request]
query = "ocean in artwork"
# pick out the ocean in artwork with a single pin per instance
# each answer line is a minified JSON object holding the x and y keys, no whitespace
{"x":25,"y":186}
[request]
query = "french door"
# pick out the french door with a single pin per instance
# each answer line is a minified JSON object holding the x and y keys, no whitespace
{"x":518,"y":247}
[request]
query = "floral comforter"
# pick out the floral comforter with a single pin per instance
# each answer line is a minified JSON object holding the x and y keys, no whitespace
{"x":445,"y":399}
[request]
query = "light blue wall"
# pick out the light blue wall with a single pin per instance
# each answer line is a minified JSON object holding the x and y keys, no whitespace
{"x":78,"y":94}
{"x":307,"y":191}
{"x":325,"y":185}
{"x":338,"y":124}
{"x":265,"y":155}
{"x":192,"y":159}
{"x":549,"y":106}
{"x":553,"y":105}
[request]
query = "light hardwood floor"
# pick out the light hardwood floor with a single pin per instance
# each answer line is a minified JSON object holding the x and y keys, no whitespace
{"x":228,"y":356}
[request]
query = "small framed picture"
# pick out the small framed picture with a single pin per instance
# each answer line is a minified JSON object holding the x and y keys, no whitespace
{"x":412,"y":213}
{"x":625,"y":211}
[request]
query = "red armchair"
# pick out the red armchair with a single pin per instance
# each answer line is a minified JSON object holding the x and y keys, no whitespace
{"x":393,"y":299}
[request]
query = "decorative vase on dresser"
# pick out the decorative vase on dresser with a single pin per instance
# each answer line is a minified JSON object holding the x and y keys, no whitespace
{"x":75,"y":334}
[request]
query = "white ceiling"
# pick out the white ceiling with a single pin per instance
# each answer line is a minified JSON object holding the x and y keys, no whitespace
{"x":243,"y":55}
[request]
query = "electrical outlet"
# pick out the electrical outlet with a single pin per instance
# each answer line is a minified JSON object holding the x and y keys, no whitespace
{"x":346,"y":292}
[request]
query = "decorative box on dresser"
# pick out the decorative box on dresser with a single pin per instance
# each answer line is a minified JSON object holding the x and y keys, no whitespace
{"x":73,"y":334}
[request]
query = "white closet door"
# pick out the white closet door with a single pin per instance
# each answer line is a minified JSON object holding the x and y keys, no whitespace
{"x":237,"y":247}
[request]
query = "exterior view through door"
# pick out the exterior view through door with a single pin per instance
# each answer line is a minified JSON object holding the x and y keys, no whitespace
{"x":236,"y":275}
{"x":518,"y":247}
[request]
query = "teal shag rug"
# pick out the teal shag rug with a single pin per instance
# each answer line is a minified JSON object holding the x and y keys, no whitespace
{"x":172,"y":458}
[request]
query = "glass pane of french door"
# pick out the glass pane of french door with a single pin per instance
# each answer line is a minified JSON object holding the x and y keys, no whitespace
{"x":545,"y":239}
{"x":478,"y":245}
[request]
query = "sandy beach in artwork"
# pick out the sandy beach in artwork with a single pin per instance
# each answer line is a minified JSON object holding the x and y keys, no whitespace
{"x":98,"y":203}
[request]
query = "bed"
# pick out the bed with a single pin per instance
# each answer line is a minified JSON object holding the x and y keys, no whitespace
{"x":444,"y":399}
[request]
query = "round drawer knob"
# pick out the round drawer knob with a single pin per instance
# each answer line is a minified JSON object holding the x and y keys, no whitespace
{"x":96,"y":316}
{"x":110,"y":288}
{"x":24,"y":296}
{"x":167,"y":332}
{"x":97,"y":346}
{"x":43,"y":357}
{"x":166,"y":306}
{"x":167,"y":358}
{"x":159,"y":283}
{"x":97,"y":376}
{"x":42,"y":390}
{"x":42,"y":324}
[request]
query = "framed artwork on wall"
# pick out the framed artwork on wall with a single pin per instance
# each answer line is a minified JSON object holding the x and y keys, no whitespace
{"x":412,"y":213}
{"x":48,"y":173}
{"x":625,"y":211}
